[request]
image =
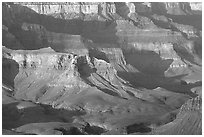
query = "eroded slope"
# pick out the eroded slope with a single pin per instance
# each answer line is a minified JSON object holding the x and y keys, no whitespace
{"x":101,"y":68}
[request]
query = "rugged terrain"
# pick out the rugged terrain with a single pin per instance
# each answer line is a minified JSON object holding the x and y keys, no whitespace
{"x":102,"y":68}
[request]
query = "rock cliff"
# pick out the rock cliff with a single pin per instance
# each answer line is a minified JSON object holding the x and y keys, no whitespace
{"x":188,"y":121}
{"x":102,"y":67}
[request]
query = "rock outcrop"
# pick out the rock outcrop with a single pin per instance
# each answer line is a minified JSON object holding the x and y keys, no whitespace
{"x":188,"y":120}
{"x":102,"y":67}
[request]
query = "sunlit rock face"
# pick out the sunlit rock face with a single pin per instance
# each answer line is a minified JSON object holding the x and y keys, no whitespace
{"x":67,"y":7}
{"x":177,"y":8}
{"x":41,"y":65}
{"x":196,"y":6}
{"x":70,"y":10}
{"x":102,"y":67}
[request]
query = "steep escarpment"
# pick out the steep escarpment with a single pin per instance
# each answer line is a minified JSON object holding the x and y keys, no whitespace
{"x":39,"y":68}
{"x":188,"y":120}
{"x":101,"y":68}
{"x":46,"y":30}
{"x":34,"y":31}
{"x":72,"y":82}
{"x":70,"y":10}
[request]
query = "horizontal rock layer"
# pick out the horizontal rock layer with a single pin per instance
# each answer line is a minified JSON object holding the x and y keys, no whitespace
{"x":103,"y":67}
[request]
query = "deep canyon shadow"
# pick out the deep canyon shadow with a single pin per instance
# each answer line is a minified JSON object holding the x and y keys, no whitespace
{"x":151,"y":73}
{"x":138,"y":80}
{"x":97,"y":31}
{"x":141,"y":128}
{"x":10,"y":69}
{"x":188,"y":19}
{"x":86,"y":72}
{"x":14,"y":117}
{"x":147,"y":62}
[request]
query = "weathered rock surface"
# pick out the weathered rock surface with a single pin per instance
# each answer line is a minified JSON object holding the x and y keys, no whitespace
{"x":188,"y":120}
{"x":102,"y":68}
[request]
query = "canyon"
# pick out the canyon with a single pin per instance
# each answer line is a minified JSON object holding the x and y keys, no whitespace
{"x":102,"y":68}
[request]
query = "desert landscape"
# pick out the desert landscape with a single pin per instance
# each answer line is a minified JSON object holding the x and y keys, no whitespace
{"x":101,"y":68}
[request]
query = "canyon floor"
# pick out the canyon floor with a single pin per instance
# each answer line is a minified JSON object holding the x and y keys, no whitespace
{"x":101,"y":68}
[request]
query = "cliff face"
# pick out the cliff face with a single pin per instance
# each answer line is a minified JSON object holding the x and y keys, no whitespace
{"x":44,"y":66}
{"x":188,"y":121}
{"x":105,"y":8}
{"x":196,"y":6}
{"x":109,"y":67}
{"x":118,"y":24}
{"x":70,"y":10}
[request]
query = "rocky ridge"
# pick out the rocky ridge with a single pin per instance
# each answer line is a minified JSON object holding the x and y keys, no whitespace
{"x":122,"y":67}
